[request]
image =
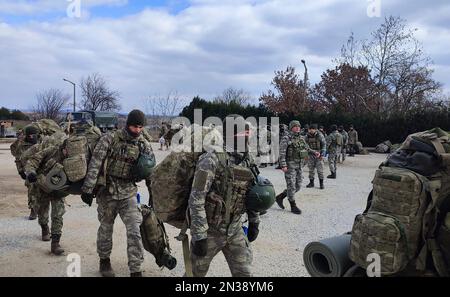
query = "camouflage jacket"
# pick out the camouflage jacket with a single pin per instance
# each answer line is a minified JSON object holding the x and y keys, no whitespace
{"x":285,"y":143}
{"x":345,"y":136}
{"x":45,"y":155}
{"x":352,"y":137}
{"x":202,"y":185}
{"x":117,"y":188}
{"x":319,"y":138}
{"x":19,"y":147}
{"x":333,"y":146}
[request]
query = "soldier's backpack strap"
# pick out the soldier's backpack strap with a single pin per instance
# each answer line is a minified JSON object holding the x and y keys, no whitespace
{"x":224,"y":161}
{"x":430,"y":227}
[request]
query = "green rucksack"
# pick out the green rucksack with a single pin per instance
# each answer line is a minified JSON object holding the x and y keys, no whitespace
{"x":405,"y":220}
{"x":171,"y":180}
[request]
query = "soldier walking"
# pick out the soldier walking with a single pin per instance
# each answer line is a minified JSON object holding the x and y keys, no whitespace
{"x":40,"y":163}
{"x":335,"y":141}
{"x":344,"y":145}
{"x":222,"y":179}
{"x":352,"y":141}
{"x":293,"y":151}
{"x":115,"y":157}
{"x":29,"y":138}
{"x":318,"y":145}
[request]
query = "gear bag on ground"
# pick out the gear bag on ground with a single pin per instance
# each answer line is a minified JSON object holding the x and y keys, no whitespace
{"x":406,"y":221}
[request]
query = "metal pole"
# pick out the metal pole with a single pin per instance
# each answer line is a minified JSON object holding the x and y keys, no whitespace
{"x":74,"y":87}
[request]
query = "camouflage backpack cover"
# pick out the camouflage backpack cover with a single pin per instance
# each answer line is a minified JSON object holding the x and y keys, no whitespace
{"x":406,"y":219}
{"x":171,"y":180}
{"x":77,"y":147}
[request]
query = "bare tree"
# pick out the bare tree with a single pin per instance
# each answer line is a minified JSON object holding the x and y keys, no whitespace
{"x":96,"y":94}
{"x":397,"y":62}
{"x":350,"y":52}
{"x":50,"y":104}
{"x":163,"y":107}
{"x":232,"y":95}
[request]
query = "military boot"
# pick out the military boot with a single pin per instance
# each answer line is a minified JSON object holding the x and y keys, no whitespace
{"x":321,"y":184}
{"x":32,"y":215}
{"x":280,"y":197}
{"x":294,"y":208}
{"x":311,"y":183}
{"x":106,"y":269}
{"x":45,"y":233}
{"x":55,"y":247}
{"x":136,"y":274}
{"x":332,"y":175}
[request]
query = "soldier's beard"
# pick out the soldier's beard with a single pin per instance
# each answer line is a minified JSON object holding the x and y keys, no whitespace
{"x":135,"y":135}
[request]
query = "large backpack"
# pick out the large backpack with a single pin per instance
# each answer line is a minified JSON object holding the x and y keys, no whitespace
{"x":172,"y":179}
{"x":78,"y":148}
{"x":405,"y":220}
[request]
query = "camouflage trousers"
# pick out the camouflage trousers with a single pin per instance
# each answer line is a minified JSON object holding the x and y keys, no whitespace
{"x":314,"y":163}
{"x":342,"y":155}
{"x":108,"y":209}
{"x":58,"y":209}
{"x":294,"y":178}
{"x":31,"y":196}
{"x":235,"y":248}
{"x":332,"y":160}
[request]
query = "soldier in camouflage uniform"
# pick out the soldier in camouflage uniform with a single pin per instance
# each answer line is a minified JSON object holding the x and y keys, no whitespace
{"x":344,"y":145}
{"x":293,"y":151}
{"x":318,"y":144}
{"x":335,"y":142}
{"x":217,"y":204}
{"x":112,"y":160}
{"x":29,"y":138}
{"x":322,"y":130}
{"x":352,"y":141}
{"x":47,"y":154}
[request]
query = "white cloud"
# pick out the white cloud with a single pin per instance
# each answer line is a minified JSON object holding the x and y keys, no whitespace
{"x":200,"y":51}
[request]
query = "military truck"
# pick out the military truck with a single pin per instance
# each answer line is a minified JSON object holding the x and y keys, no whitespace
{"x":104,"y":120}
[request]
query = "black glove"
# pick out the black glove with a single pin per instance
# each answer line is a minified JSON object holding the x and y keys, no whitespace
{"x":253,"y":231}
{"x":32,"y":177}
{"x":23,"y":175}
{"x":200,"y":247}
{"x":87,"y":198}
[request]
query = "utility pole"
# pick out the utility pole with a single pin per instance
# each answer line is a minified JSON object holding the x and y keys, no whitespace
{"x":74,"y":100}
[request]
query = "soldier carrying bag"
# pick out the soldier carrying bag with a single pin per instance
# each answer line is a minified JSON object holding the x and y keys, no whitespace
{"x":405,"y":222}
{"x":154,"y":238}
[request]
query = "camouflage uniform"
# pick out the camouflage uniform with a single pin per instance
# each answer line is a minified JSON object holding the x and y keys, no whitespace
{"x":290,"y":148}
{"x":112,"y":160}
{"x":317,"y":143}
{"x":41,"y":160}
{"x":18,"y":148}
{"x":216,"y":214}
{"x":352,"y":140}
{"x":344,"y":146}
{"x":335,"y":141}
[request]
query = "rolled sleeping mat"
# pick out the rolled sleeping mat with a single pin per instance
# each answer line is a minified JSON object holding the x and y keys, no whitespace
{"x":56,"y":179}
{"x":328,"y":257}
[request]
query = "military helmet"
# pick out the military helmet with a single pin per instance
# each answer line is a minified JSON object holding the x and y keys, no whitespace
{"x":261,"y":196}
{"x":143,"y":167}
{"x":293,"y":124}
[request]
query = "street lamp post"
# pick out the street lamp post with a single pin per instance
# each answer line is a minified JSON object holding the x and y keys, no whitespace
{"x":74,"y":101}
{"x":305,"y":80}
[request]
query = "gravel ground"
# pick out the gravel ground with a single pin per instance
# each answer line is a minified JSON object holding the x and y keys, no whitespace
{"x":277,"y":251}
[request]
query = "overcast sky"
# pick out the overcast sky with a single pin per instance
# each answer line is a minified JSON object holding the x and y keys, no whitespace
{"x":194,"y":47}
